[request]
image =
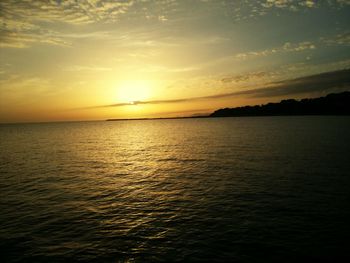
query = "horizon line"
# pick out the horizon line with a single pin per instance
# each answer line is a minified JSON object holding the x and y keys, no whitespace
{"x":206,"y":115}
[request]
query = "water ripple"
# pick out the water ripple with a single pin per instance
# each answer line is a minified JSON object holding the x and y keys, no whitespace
{"x":233,"y":189}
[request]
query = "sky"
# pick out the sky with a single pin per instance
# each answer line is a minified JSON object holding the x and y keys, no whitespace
{"x":98,"y":59}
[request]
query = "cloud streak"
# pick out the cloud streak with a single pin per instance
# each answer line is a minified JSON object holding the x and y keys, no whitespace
{"x":315,"y":83}
{"x":287,"y":47}
{"x":289,"y":4}
{"x":342,"y":39}
{"x":252,"y":9}
{"x":339,"y":80}
{"x":86,"y":68}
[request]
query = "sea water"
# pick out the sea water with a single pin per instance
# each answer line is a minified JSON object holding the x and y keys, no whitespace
{"x":254,"y":189}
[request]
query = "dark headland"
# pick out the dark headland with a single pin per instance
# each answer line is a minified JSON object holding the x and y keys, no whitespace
{"x":332,"y":104}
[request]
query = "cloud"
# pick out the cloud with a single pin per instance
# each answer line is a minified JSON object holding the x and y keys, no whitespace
{"x":287,"y":47}
{"x":335,"y":80}
{"x":18,"y":89}
{"x":343,"y":2}
{"x":289,"y":4}
{"x":68,"y":11}
{"x":295,"y":5}
{"x":252,"y":9}
{"x":338,"y":80}
{"x":162,"y":18}
{"x":12,"y":39}
{"x":86,"y":68}
{"x":245,"y":77}
{"x":24,"y":23}
{"x":153,"y":68}
{"x":342,"y":39}
{"x":298,"y":47}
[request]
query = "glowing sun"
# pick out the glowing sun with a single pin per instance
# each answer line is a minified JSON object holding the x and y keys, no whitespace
{"x":132,"y":91}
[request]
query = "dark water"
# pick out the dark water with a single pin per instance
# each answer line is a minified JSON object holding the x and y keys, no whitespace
{"x":259,"y":189}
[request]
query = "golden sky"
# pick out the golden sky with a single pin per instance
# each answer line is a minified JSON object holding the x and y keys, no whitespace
{"x":97,"y":59}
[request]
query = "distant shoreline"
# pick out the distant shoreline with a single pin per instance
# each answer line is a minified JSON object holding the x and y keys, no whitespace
{"x":334,"y":104}
{"x":215,"y":117}
{"x":160,"y":118}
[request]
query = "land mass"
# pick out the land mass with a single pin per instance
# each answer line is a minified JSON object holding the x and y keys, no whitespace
{"x":332,"y":104}
{"x":160,"y":118}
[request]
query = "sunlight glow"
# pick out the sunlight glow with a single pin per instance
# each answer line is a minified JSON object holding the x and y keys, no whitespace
{"x":131,"y":91}
{"x":102,"y":59}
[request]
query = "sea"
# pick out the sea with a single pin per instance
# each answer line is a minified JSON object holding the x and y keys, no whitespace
{"x":238,"y":189}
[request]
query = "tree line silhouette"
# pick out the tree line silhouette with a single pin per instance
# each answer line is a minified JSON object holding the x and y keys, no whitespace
{"x":332,"y":104}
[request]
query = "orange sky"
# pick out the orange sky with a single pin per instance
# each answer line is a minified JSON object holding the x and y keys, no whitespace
{"x":62,"y":60}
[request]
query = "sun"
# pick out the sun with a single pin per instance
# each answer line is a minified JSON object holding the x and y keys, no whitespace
{"x":132,"y":91}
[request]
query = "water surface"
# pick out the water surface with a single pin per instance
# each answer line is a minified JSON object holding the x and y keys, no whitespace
{"x":241,"y":189}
